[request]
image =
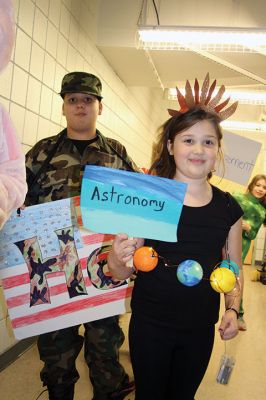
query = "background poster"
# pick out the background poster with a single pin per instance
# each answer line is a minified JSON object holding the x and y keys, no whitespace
{"x":240,"y":156}
{"x":145,"y":206}
{"x":54,"y":271}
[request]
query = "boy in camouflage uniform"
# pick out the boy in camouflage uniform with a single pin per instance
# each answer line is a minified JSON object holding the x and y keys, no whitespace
{"x":54,"y":171}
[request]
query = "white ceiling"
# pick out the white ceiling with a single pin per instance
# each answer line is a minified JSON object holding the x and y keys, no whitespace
{"x":117,"y":26}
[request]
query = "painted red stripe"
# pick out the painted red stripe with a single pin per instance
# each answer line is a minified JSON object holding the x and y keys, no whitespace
{"x":96,"y":238}
{"x":72,"y":307}
{"x":76,"y":201}
{"x":22,"y":299}
{"x":83,"y":262}
{"x":14,"y":281}
{"x":79,"y":220}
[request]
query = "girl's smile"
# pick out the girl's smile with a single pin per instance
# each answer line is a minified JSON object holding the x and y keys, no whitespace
{"x":259,"y":189}
{"x":195,"y":151}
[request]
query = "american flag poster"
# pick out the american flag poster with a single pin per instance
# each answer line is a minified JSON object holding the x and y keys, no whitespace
{"x":54,"y":272}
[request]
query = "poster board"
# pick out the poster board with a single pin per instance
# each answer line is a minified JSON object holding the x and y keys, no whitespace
{"x":240,"y":155}
{"x":54,"y":272}
{"x":145,"y":206}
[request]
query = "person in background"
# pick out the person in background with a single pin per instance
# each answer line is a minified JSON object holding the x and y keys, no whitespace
{"x":13,"y":185}
{"x":55,"y":167}
{"x":253,"y":203}
{"x":172,"y":326}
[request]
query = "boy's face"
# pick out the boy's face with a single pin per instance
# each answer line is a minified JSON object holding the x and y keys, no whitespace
{"x":81,"y":111}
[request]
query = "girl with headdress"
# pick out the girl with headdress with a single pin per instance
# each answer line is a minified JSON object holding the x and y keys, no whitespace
{"x":171,"y":332}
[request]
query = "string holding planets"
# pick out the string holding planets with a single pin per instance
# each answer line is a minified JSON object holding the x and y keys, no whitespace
{"x":223,"y":278}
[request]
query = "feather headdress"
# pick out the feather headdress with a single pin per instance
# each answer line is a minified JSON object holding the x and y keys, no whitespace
{"x":203,"y":99}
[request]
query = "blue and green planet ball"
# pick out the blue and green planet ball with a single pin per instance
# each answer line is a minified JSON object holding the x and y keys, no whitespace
{"x":189,"y":273}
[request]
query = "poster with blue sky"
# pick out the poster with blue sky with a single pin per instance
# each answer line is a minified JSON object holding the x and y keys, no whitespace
{"x":115,"y":201}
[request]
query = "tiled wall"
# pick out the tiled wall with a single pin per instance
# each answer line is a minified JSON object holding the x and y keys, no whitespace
{"x":54,"y":37}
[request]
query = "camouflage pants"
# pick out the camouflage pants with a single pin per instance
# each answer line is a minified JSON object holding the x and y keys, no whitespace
{"x":102,"y":340}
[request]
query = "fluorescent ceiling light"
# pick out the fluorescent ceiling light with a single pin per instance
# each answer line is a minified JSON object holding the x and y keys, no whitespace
{"x":244,"y":126}
{"x":253,"y":97}
{"x":205,"y":38}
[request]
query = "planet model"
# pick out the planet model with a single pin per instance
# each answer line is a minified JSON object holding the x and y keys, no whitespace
{"x":189,"y":272}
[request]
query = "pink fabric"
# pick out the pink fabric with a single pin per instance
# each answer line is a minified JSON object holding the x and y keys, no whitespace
{"x":13,"y":187}
{"x":7,"y":32}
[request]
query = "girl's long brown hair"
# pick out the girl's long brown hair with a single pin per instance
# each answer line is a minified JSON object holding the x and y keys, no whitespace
{"x":163,"y":164}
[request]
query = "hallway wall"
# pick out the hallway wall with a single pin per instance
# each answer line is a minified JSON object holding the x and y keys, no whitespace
{"x":54,"y":37}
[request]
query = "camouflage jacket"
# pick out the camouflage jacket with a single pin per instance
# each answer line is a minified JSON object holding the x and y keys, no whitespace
{"x":61,"y":177}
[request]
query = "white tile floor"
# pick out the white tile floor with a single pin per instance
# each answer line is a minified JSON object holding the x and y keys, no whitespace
{"x":248,"y":382}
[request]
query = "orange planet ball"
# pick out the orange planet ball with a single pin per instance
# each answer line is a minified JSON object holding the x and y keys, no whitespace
{"x":145,"y":259}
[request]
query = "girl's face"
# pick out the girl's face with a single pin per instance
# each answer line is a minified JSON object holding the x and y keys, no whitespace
{"x":259,"y":189}
{"x":195,"y":151}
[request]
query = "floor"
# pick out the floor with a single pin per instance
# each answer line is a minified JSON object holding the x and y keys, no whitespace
{"x":248,"y":380}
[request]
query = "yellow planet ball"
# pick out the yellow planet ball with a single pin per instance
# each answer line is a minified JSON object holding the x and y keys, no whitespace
{"x":222,"y":280}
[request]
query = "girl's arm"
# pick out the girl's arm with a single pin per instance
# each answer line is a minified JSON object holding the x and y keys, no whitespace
{"x":229,"y":326}
{"x":121,"y":255}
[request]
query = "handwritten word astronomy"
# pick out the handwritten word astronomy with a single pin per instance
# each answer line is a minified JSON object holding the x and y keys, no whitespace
{"x":121,"y":198}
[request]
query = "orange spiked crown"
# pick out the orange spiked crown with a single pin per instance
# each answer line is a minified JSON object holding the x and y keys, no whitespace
{"x":203,"y":99}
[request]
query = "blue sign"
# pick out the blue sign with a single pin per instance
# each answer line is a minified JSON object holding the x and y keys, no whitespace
{"x":115,"y":201}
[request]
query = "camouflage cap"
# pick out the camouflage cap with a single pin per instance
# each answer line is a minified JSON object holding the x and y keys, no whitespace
{"x":81,"y":82}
